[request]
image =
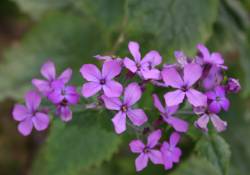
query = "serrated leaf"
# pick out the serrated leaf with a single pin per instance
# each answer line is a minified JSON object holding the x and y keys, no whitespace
{"x":196,"y":166}
{"x":76,"y":146}
{"x":216,"y":150}
{"x":66,"y":39}
{"x":172,"y":24}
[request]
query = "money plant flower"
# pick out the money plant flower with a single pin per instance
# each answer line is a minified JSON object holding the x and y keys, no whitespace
{"x":191,"y":74}
{"x":132,"y":94}
{"x":29,"y":115}
{"x":48,"y":71}
{"x":170,"y":152}
{"x":101,"y":80}
{"x":167,"y":113}
{"x":146,"y":66}
{"x":148,"y":151}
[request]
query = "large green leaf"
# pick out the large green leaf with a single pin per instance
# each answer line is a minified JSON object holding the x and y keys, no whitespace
{"x":216,"y":150}
{"x":76,"y":146}
{"x":172,"y":24}
{"x":68,"y":40}
{"x":196,"y":166}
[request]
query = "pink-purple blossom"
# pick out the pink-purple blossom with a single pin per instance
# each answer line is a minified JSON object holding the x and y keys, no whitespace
{"x":167,"y":113}
{"x":101,"y":80}
{"x":29,"y":115}
{"x":146,"y":66}
{"x":191,"y":74}
{"x":132,"y":94}
{"x":217,"y":100}
{"x":233,"y":85}
{"x":148,"y":151}
{"x":48,"y":71}
{"x":170,"y":152}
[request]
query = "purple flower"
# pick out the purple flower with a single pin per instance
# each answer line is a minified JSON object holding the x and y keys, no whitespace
{"x":29,"y":115}
{"x":170,"y":153}
{"x":147,"y":151}
{"x":48,"y":71}
{"x":101,"y":80}
{"x":213,"y":77}
{"x":233,"y":85}
{"x":137,"y":116}
{"x":204,"y":57}
{"x":192,"y":73}
{"x":144,"y":67}
{"x":218,"y":100}
{"x":64,"y":96}
{"x":204,"y":118}
{"x":167,"y":115}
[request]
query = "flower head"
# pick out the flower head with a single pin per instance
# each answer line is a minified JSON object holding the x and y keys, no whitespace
{"x":29,"y":116}
{"x":233,"y":85}
{"x":144,"y":67}
{"x":101,"y":80}
{"x":192,"y":73}
{"x":167,"y":114}
{"x":170,"y":153}
{"x":147,"y":151}
{"x":64,"y":96}
{"x":205,"y":116}
{"x":217,"y":100}
{"x":48,"y":71}
{"x":212,"y":78}
{"x":132,"y":94}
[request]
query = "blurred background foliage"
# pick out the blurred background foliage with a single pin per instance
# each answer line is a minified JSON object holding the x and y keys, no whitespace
{"x":71,"y":32}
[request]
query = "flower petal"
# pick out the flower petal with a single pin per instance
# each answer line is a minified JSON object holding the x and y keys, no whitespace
{"x":56,"y":96}
{"x":176,"y":155}
{"x":167,"y":161}
{"x":136,"y":146}
{"x":111,"y":69}
{"x":91,"y":88}
{"x":225,"y":103}
{"x":216,"y":58}
{"x":192,"y":73}
{"x":112,"y":103}
{"x":196,"y":98}
{"x":141,"y":162}
{"x":66,"y":75}
{"x":155,"y":156}
{"x":202,"y":122}
{"x":137,"y":116}
{"x":20,"y":112}
{"x":41,"y":121}
{"x":112,"y":88}
{"x":153,"y":74}
{"x":214,"y":107}
{"x":132,"y":94}
{"x":71,"y":94}
{"x":174,"y":98}
{"x":174,"y":139}
{"x":119,"y":122}
{"x":154,"y":138}
{"x":219,"y":124}
{"x":134,"y":49}
{"x":178,"y":124}
{"x":48,"y":70}
{"x":43,"y":86}
{"x":130,"y":65}
{"x":65,"y":113}
{"x":171,"y":77}
{"x":203,"y":51}
{"x":25,"y":127}
{"x":153,"y":57}
{"x":90,"y":72}
{"x":33,"y":100}
{"x":157,"y":103}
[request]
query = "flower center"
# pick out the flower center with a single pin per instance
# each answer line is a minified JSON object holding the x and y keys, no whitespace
{"x":124,"y":108}
{"x":184,"y":88}
{"x":217,"y":99}
{"x":102,"y":81}
{"x":64,"y":102}
{"x":146,"y":150}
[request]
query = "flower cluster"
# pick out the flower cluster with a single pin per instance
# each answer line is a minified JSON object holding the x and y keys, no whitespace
{"x":196,"y":85}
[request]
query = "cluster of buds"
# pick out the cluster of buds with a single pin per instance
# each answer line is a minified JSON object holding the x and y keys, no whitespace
{"x":198,"y":82}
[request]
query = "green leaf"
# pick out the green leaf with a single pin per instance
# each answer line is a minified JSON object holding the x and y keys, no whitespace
{"x":196,"y":166}
{"x":172,"y":24}
{"x":68,"y":40}
{"x":216,"y":150}
{"x":76,"y":146}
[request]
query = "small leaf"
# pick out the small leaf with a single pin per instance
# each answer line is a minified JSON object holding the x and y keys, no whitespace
{"x":76,"y":146}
